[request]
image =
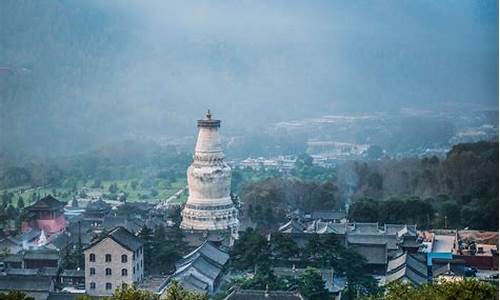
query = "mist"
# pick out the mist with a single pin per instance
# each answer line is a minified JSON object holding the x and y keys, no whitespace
{"x":78,"y":74}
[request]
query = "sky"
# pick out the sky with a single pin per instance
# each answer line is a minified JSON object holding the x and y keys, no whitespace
{"x":83,"y":72}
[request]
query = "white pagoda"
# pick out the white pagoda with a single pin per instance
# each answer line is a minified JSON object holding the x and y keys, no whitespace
{"x":209,"y":207}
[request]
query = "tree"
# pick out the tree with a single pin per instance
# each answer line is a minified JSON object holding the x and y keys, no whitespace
{"x":283,"y":246}
{"x":20,"y":202}
{"x":113,"y":188}
{"x":468,"y":289}
{"x":312,"y":286}
{"x":304,"y":160}
{"x":250,"y":251}
{"x":364,"y":210}
{"x":15,"y":295}
{"x":176,"y":292}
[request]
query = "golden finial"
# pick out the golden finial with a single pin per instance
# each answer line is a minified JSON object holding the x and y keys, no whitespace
{"x":209,"y":115}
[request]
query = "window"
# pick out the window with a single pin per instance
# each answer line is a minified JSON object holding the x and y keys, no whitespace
{"x":108,"y":271}
{"x":124,"y":258}
{"x":124,"y":272}
{"x":108,"y":285}
{"x":133,"y":256}
{"x":92,"y":285}
{"x":92,"y":271}
{"x":133,"y":270}
{"x":92,"y":257}
{"x":108,"y":257}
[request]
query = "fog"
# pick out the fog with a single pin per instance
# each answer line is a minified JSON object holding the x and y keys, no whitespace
{"x":78,"y":74}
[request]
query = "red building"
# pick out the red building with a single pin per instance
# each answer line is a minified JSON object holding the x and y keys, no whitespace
{"x":46,"y":214}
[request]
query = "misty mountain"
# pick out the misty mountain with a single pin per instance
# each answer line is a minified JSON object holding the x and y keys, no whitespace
{"x":75,"y":75}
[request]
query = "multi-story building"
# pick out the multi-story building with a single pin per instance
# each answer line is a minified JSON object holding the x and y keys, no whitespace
{"x":112,"y":261}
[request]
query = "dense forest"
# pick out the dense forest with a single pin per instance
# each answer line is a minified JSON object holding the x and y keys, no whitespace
{"x":458,"y":191}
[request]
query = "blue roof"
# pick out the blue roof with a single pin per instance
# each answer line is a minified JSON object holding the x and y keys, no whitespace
{"x":441,"y":255}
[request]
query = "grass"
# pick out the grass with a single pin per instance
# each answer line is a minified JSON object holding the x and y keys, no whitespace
{"x":164,"y":189}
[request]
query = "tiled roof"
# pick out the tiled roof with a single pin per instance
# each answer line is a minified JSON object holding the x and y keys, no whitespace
{"x":25,"y":283}
{"x":375,"y":239}
{"x":42,"y":253}
{"x":373,"y":253}
{"x":207,"y":260}
{"x":411,"y":267}
{"x":366,"y":228}
{"x":328,"y":215}
{"x":292,"y":226}
{"x":208,"y":250}
{"x":259,"y":295}
{"x":46,"y":271}
{"x":123,"y":237}
{"x":193,"y":283}
{"x":47,"y":202}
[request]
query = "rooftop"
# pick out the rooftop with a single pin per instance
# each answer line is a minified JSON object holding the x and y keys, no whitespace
{"x":25,"y":283}
{"x":123,"y":237}
{"x":47,"y":203}
{"x":259,"y":295}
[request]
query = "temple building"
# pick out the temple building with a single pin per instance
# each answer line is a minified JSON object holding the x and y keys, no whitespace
{"x":209,"y":207}
{"x":46,"y":214}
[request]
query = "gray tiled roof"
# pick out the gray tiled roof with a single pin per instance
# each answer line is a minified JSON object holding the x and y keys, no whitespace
{"x":64,"y":296}
{"x":292,"y":226}
{"x":25,"y":283}
{"x":376,"y":239}
{"x":48,"y":202}
{"x":123,"y":237}
{"x":328,"y":215}
{"x":42,"y":253}
{"x":373,"y":253}
{"x":193,"y":283}
{"x":411,"y":267}
{"x":46,"y":271}
{"x":208,"y":250}
{"x":259,"y":295}
{"x":364,"y":228}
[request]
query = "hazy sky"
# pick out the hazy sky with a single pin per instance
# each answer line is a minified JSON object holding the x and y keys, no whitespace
{"x":90,"y":70}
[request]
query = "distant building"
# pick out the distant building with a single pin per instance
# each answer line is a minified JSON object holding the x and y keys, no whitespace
{"x":72,"y":278}
{"x":95,"y":212}
{"x":113,"y":260}
{"x":35,"y":258}
{"x":36,"y":287}
{"x":45,"y":214}
{"x":377,"y":244}
{"x":202,"y":269}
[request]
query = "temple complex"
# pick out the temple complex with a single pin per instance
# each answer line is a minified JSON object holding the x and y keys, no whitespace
{"x":209,"y":207}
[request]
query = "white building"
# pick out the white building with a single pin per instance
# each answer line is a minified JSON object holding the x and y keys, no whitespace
{"x":113,"y":260}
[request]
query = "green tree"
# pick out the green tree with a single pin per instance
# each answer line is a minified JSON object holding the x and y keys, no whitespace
{"x":250,"y":251}
{"x":176,"y":292}
{"x":283,"y":246}
{"x":312,"y":285}
{"x":468,"y":289}
{"x":20,"y":202}
{"x":15,"y":295}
